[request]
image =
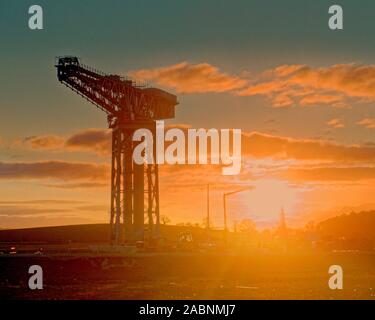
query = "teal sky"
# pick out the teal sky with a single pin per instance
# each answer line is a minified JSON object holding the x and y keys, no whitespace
{"x":118,"y":36}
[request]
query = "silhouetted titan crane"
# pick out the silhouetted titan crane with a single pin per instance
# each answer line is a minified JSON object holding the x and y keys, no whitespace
{"x":134,"y":188}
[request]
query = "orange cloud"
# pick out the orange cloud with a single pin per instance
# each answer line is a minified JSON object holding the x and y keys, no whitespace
{"x":80,"y":185}
{"x":290,"y":85}
{"x":336,"y":123}
{"x":89,"y":140}
{"x":186,"y":77}
{"x":54,"y":170}
{"x":47,"y":142}
{"x":15,"y":210}
{"x":356,"y":165}
{"x":97,"y":140}
{"x":314,"y":99}
{"x":286,"y":85}
{"x":367,"y":123}
{"x":329,"y":174}
{"x":260,"y":145}
{"x":255,"y":144}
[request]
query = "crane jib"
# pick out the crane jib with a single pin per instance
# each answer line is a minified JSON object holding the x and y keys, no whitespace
{"x":120,"y":98}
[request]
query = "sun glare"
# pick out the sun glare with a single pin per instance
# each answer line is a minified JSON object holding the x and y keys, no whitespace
{"x":269,"y":196}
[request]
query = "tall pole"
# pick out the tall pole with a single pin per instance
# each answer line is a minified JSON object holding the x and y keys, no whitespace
{"x":208,"y":207}
{"x":225,"y":218}
{"x":225,"y":207}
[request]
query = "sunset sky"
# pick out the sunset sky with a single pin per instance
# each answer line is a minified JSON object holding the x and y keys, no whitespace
{"x":302,"y":95}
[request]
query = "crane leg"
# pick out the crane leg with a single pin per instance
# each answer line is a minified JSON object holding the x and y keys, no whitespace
{"x":134,"y":191}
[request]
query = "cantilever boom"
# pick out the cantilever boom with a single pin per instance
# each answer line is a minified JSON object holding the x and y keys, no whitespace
{"x":120,"y":98}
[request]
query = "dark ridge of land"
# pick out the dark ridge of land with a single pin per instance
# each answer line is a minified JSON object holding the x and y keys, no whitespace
{"x":90,"y":233}
{"x":354,"y":225}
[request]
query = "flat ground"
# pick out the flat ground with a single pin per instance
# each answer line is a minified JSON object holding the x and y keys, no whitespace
{"x":191,"y":276}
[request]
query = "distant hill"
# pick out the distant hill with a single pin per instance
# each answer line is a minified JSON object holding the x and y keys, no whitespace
{"x":353,"y":225}
{"x":91,"y":233}
{"x":75,"y":233}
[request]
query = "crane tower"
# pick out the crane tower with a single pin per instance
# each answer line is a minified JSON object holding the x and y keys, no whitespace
{"x":129,"y":106}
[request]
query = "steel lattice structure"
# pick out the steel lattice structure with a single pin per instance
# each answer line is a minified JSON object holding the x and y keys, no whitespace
{"x":129,"y":106}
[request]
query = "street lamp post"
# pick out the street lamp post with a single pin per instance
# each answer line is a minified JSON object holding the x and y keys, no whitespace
{"x":225,"y":207}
